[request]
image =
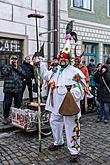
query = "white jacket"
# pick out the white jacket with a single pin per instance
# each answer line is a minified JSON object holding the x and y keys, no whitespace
{"x":61,"y":79}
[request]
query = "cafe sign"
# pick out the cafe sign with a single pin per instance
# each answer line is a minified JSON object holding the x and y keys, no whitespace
{"x":10,"y":45}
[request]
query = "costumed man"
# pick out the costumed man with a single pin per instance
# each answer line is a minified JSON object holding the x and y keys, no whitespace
{"x":65,"y":94}
{"x":84,"y":69}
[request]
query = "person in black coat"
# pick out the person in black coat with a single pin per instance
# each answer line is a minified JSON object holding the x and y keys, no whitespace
{"x":108,"y":63}
{"x":102,"y":79}
{"x":27,"y":81}
{"x":12,"y":89}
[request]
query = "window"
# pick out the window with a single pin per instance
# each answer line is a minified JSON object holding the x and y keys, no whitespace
{"x":106,"y":52}
{"x":91,"y":50}
{"x":108,"y":7}
{"x":82,"y":4}
{"x":8,"y":47}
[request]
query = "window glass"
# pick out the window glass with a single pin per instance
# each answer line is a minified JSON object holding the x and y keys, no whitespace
{"x":83,"y":4}
{"x":8,"y":47}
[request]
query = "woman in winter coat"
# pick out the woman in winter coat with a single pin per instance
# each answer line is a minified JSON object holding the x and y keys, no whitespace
{"x":102,"y":79}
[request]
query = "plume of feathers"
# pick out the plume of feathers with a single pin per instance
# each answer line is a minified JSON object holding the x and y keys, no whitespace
{"x":69,"y":30}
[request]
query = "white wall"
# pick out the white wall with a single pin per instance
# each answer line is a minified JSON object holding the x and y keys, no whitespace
{"x":14,"y":20}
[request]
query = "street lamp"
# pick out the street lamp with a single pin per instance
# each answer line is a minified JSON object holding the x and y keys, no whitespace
{"x":36,"y":16}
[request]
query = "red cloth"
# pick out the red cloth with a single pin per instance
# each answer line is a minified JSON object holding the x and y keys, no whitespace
{"x":85,"y":72}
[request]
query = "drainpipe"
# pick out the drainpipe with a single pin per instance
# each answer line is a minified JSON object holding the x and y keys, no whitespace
{"x":55,"y":24}
{"x":49,"y":28}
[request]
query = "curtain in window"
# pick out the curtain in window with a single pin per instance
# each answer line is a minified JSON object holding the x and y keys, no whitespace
{"x":78,"y":3}
{"x":86,"y":4}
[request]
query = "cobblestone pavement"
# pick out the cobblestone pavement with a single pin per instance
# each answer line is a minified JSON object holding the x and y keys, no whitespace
{"x":2,"y":126}
{"x":21,"y":148}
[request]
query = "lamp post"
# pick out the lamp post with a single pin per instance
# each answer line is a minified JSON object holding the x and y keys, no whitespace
{"x":36,"y":16}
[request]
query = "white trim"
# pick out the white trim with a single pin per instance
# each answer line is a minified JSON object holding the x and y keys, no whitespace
{"x":92,"y":6}
{"x":85,"y":23}
{"x":108,"y":6}
{"x":17,"y":36}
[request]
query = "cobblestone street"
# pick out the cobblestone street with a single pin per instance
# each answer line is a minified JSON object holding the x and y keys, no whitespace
{"x":21,"y":148}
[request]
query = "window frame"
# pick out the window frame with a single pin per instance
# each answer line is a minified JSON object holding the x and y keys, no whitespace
{"x":108,"y":8}
{"x":81,"y":8}
{"x":24,"y":39}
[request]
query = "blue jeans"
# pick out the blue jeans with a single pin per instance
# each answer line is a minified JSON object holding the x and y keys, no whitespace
{"x":103,"y":111}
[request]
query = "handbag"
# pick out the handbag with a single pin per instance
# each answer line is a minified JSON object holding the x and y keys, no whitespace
{"x":69,"y":106}
{"x":105,"y":84}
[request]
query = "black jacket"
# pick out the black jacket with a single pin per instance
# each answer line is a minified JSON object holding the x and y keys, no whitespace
{"x":28,"y":68}
{"x":103,"y":95}
{"x":12,"y":78}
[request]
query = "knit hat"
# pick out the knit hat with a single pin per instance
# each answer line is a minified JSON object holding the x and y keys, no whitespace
{"x":104,"y":66}
{"x":108,"y":61}
{"x":13,"y":57}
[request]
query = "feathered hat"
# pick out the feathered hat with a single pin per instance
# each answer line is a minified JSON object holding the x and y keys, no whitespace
{"x":66,"y":52}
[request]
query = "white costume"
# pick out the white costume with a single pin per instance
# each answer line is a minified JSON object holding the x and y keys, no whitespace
{"x":57,"y":121}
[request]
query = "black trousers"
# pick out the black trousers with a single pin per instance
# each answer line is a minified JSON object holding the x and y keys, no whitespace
{"x":28,"y":83}
{"x":8,"y":97}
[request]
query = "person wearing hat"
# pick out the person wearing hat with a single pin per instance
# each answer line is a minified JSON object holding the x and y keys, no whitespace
{"x":102,"y":79}
{"x":65,"y":91}
{"x":13,"y":74}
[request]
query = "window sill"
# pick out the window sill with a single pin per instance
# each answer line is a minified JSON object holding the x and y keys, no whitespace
{"x":108,"y":16}
{"x":82,"y":10}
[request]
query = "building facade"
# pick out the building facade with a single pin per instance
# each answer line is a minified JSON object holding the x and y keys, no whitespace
{"x":92,"y":25}
{"x":18,"y":32}
{"x":91,"y":22}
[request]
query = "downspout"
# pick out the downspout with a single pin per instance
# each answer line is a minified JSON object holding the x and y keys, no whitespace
{"x":49,"y":28}
{"x":55,"y":25}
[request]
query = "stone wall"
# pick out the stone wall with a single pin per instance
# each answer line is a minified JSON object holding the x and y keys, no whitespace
{"x":15,"y":23}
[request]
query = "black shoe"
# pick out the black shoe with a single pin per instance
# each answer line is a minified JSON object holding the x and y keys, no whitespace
{"x":73,"y":158}
{"x":53,"y":147}
{"x":5,"y":121}
{"x":106,"y":121}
